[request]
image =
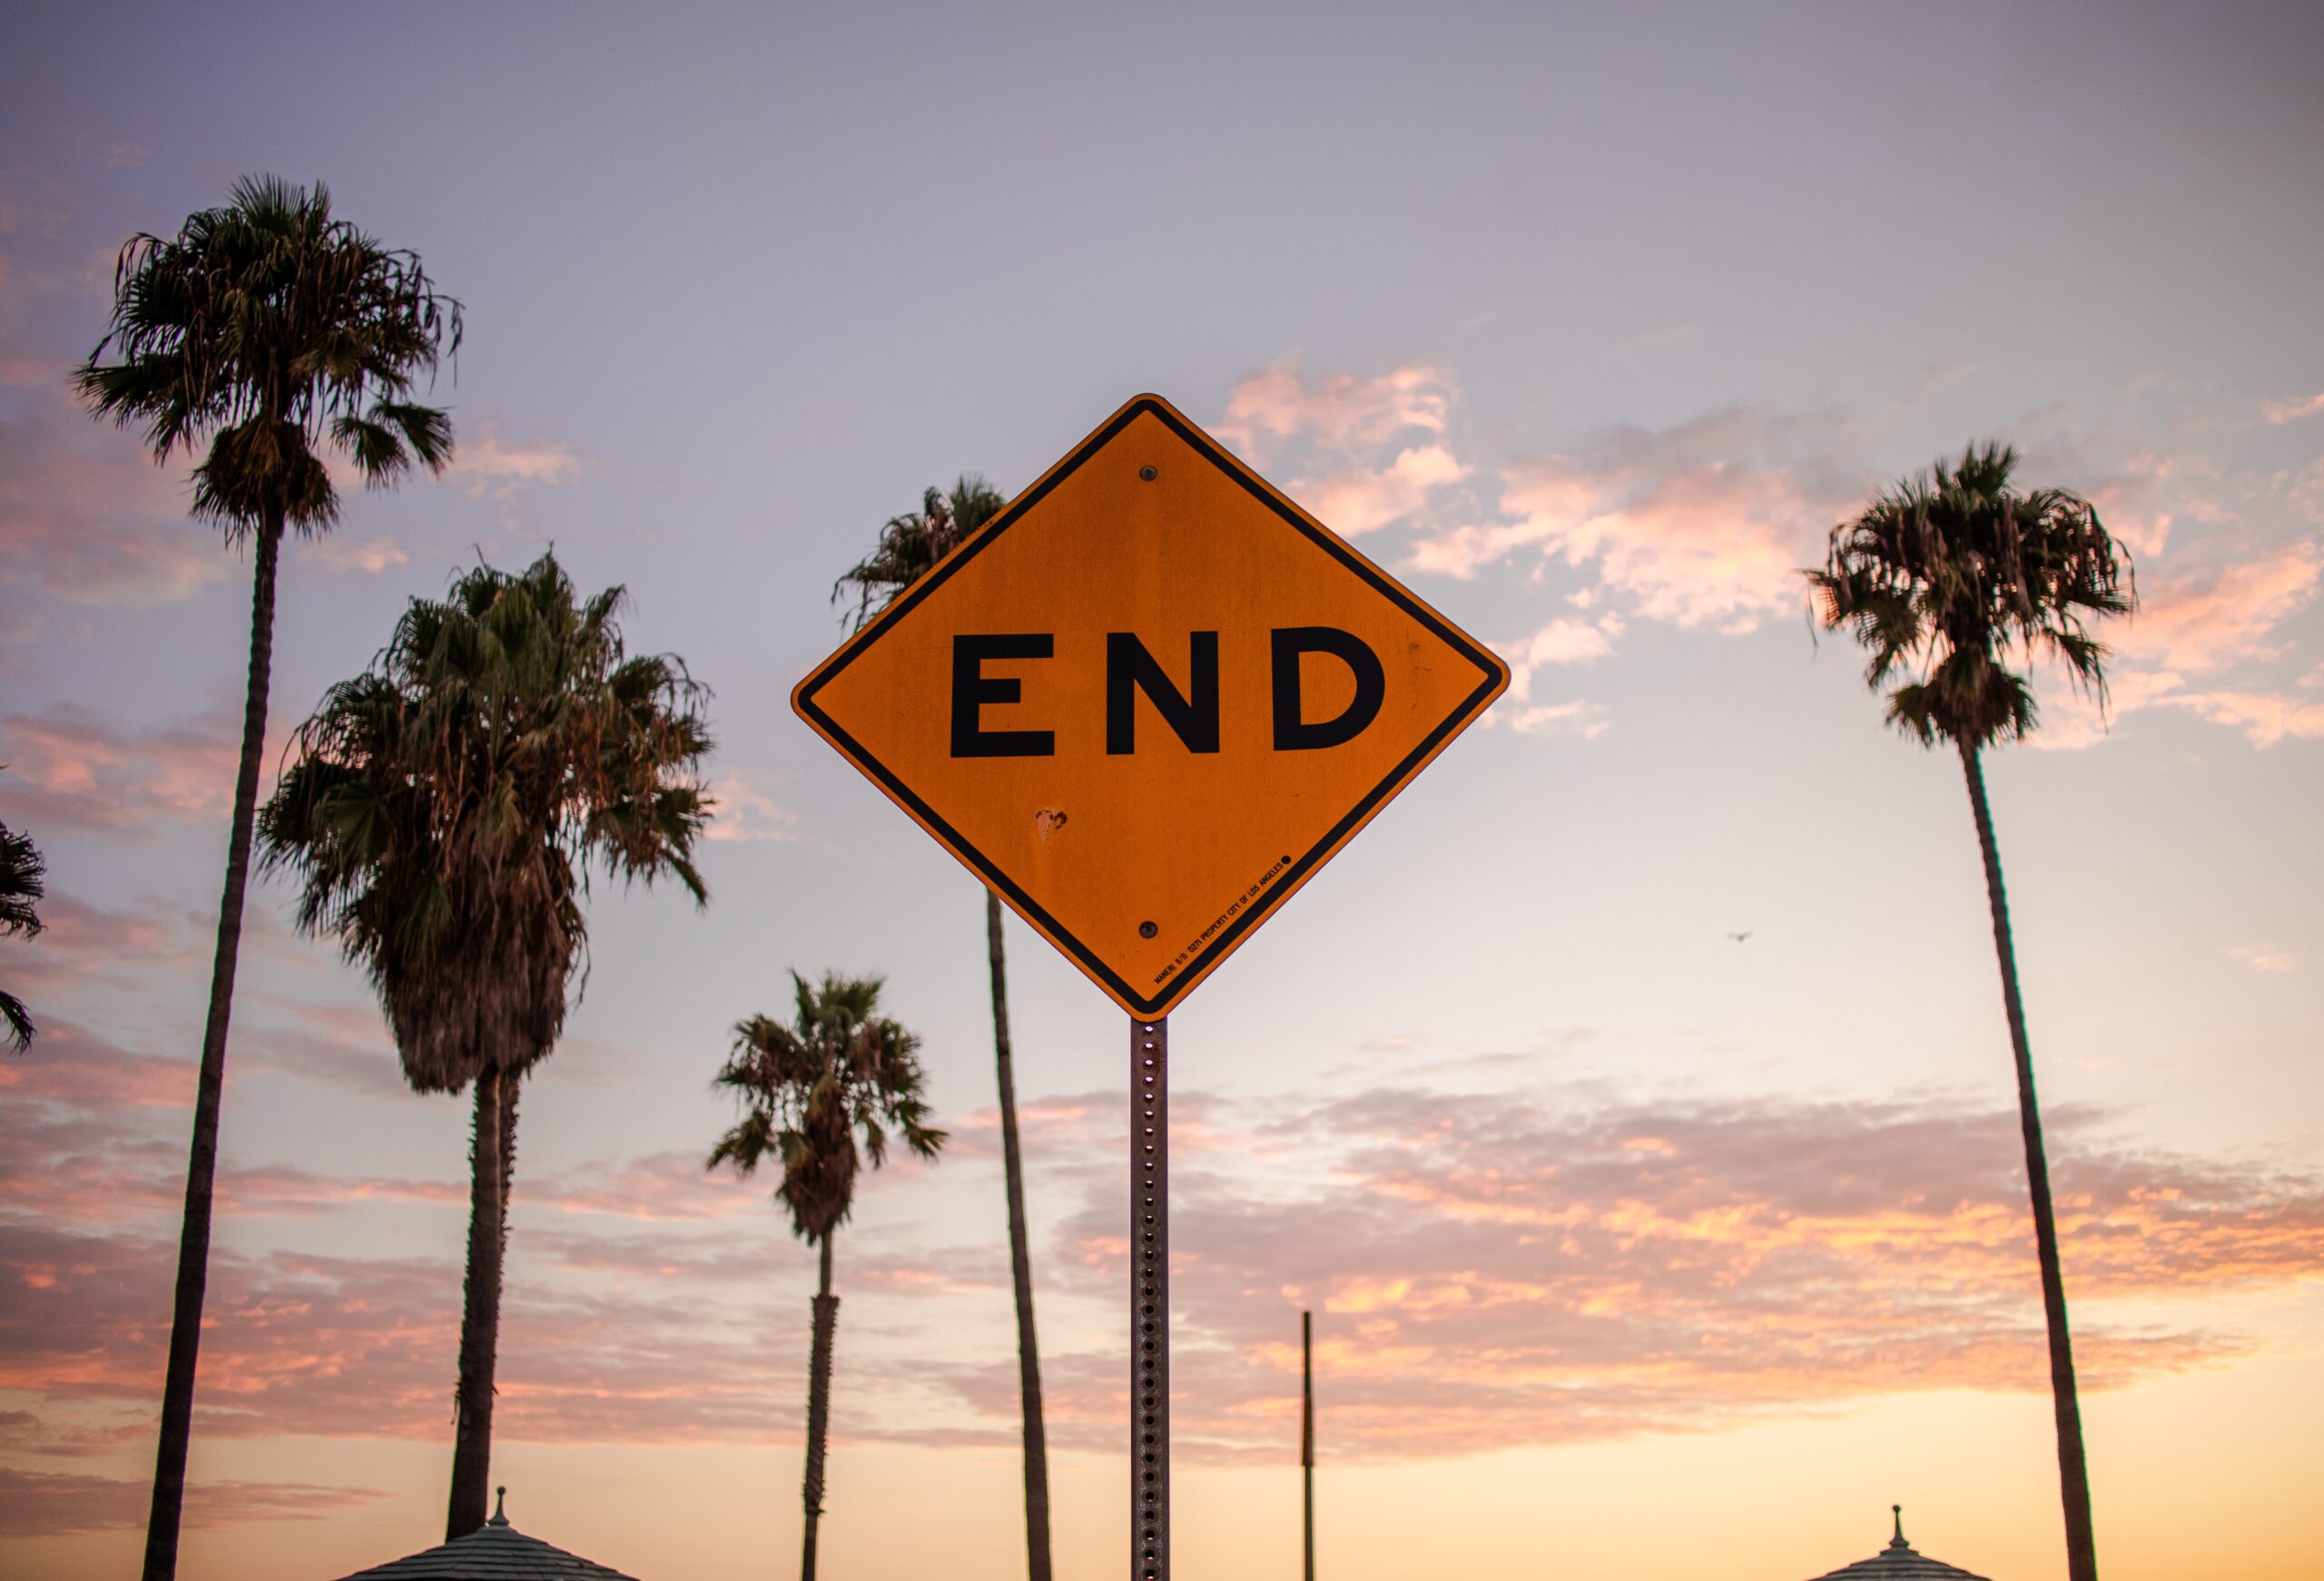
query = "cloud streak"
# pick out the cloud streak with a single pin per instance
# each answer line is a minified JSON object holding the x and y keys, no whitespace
{"x":1702,"y":524}
{"x":1490,"y":1270}
{"x":74,"y":767}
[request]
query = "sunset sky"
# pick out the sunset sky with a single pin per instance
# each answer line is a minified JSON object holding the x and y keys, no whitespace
{"x":1636,"y":1251}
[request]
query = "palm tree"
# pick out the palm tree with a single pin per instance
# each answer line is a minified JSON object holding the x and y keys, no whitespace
{"x":274,"y":333}
{"x":807,"y":1091}
{"x":22,"y":884}
{"x":1942,"y":578}
{"x":909,"y":545}
{"x":443,"y":812}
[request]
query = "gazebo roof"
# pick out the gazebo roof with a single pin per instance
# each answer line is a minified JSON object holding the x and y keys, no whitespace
{"x":495,"y":1551}
{"x":1898,"y":1562}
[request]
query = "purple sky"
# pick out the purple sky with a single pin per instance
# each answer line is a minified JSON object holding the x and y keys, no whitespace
{"x":1589,"y":325}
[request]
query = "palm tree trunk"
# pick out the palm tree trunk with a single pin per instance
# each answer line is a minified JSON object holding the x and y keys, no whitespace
{"x":1020,"y":1267}
{"x":819,"y":1410}
{"x":2073,"y":1472}
{"x":493,"y":1151}
{"x":202,"y":1164}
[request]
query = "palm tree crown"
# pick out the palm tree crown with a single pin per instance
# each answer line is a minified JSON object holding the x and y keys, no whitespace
{"x":839,"y":1070}
{"x":1944,"y":573}
{"x":444,"y":806}
{"x":276,"y":329}
{"x":912,"y":544}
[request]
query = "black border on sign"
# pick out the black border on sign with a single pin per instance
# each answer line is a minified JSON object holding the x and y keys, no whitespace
{"x":1495,"y":677}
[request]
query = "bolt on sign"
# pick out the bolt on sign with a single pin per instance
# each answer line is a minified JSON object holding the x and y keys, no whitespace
{"x":1149,"y":700}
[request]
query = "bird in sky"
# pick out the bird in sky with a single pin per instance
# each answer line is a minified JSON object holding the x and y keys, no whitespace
{"x":1740,"y":938}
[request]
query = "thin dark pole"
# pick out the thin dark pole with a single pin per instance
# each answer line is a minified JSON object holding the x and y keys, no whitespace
{"x":1307,"y":1440}
{"x":1149,"y":1301}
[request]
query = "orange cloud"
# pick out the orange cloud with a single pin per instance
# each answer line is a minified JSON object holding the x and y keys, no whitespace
{"x":1488,"y":1271}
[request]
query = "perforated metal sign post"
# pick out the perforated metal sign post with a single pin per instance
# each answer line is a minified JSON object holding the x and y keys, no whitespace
{"x":1146,"y":703}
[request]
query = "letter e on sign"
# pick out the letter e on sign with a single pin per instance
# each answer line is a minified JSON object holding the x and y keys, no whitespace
{"x":1147,"y":701}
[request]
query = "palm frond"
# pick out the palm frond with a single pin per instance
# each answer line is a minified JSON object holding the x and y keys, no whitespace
{"x":824,"y":1089}
{"x":1941,"y":577}
{"x":910,"y":544}
{"x":23,"y":880}
{"x":264,"y":319}
{"x":443,"y":811}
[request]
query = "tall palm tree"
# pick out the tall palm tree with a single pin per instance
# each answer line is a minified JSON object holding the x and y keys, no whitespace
{"x":1945,"y":578}
{"x":807,"y":1091}
{"x":273,"y":333}
{"x":22,"y":884}
{"x":909,"y":545}
{"x":443,"y":812}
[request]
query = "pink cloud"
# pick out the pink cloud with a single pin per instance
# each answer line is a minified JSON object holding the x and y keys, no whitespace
{"x":489,"y":466}
{"x":1564,"y":641}
{"x":70,"y":766}
{"x":662,"y":1187}
{"x":1342,"y":412}
{"x":2263,"y":958}
{"x":1354,"y":501}
{"x":69,"y":1064}
{"x":1490,"y":1271}
{"x":369,"y":556}
{"x":2207,"y":620}
{"x":2141,"y":497}
{"x":2265,"y":717}
{"x":83,"y":948}
{"x":2221,"y":621}
{"x":746,"y":811}
{"x":1699,"y":524}
{"x":85,"y":515}
{"x":2292,"y":409}
{"x":1586,"y":719}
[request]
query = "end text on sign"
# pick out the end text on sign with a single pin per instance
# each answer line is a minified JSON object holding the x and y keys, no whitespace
{"x":1191,"y":715}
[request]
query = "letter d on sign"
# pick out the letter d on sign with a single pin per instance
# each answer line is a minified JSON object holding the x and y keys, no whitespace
{"x":1293,"y":733}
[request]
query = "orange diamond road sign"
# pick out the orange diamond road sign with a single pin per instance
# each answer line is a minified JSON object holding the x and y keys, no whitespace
{"x":1149,"y":700}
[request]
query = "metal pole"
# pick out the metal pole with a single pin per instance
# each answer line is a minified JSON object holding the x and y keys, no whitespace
{"x":1307,"y":1440}
{"x":1149,"y":1301}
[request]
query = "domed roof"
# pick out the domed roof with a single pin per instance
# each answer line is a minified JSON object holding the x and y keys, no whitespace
{"x":495,"y":1551}
{"x":1898,"y":1562}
